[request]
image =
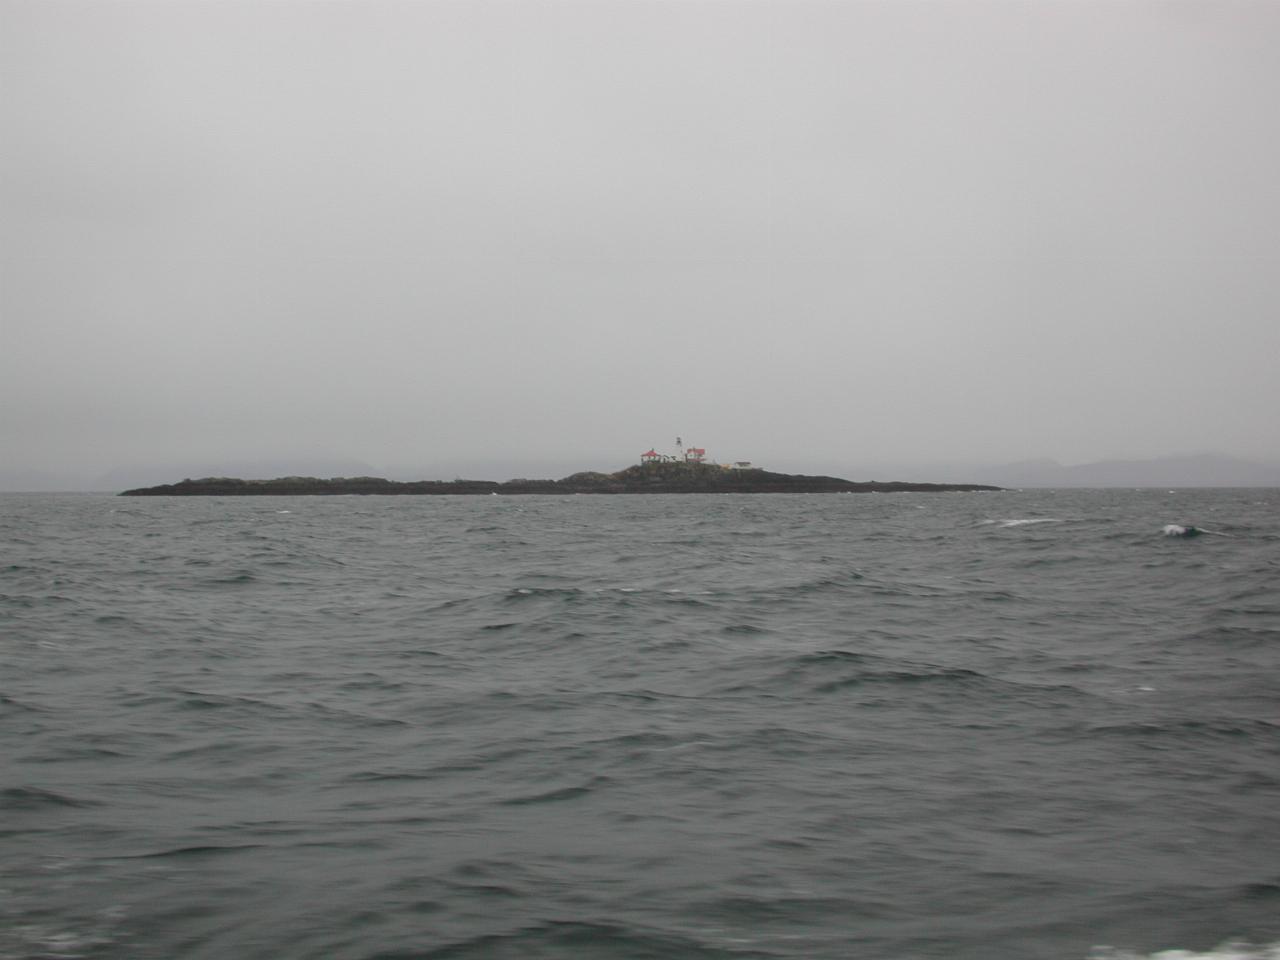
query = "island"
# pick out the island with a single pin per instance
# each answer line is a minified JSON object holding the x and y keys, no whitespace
{"x":649,"y":477}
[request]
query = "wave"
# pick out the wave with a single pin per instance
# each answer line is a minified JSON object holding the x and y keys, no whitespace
{"x":1189,"y":530}
{"x":33,"y":798}
{"x":205,"y":850}
{"x":555,"y":796}
{"x":827,"y":672}
{"x":565,"y":594}
{"x":242,"y":576}
{"x":1232,"y":950}
{"x":1232,"y":728}
{"x":11,"y":705}
{"x":793,"y":908}
{"x":601,"y":940}
{"x":1242,"y":637}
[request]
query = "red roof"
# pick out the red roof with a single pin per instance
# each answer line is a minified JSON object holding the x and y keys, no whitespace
{"x":651,"y":453}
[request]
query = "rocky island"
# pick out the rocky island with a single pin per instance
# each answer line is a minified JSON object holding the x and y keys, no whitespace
{"x":649,"y":477}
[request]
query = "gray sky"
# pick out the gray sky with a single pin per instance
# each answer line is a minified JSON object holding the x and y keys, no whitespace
{"x":421,"y":233}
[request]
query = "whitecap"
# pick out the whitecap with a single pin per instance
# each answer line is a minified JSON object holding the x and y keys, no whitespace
{"x":1028,"y":520}
{"x":1234,"y":950}
{"x":1178,"y":530}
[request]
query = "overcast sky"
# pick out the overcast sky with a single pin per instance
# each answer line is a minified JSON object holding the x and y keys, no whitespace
{"x":422,"y":233}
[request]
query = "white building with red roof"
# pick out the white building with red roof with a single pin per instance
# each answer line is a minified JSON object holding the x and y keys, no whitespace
{"x":683,"y":453}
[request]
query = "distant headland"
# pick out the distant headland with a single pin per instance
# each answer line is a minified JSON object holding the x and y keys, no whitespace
{"x":685,"y":472}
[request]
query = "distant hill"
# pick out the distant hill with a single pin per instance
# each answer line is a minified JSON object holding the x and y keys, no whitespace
{"x":1201,"y":470}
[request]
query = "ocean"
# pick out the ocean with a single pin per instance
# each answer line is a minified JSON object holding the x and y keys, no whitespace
{"x":1030,"y":725}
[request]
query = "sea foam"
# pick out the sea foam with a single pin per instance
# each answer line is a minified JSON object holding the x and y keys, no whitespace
{"x":1233,"y":950}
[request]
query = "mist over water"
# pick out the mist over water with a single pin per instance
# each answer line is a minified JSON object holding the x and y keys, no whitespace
{"x":1019,"y":724}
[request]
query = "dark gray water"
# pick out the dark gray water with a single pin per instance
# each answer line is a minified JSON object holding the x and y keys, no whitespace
{"x":1013,"y":725}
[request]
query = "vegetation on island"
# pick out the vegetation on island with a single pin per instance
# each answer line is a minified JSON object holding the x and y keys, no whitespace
{"x":642,"y":478}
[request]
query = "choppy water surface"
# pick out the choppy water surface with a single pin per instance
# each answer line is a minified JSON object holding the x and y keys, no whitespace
{"x":1022,"y":725}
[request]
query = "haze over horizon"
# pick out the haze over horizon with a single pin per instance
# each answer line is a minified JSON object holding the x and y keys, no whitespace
{"x":406,"y":235}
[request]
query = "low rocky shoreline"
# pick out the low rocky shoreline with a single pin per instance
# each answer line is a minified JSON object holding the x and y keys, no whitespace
{"x":647,"y":478}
